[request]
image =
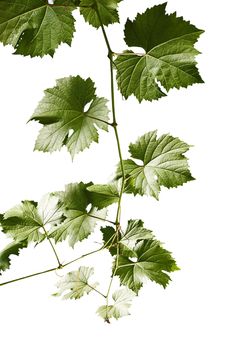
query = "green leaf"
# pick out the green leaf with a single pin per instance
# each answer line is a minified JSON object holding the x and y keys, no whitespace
{"x":127,"y":240}
{"x":106,"y":9}
{"x":75,"y":284}
{"x":135,"y":232}
{"x":151,"y":261}
{"x":104,"y":195}
{"x":163,"y":164}
{"x":71,"y":114}
{"x":27,"y":220}
{"x":169,"y":55}
{"x":11,"y":249}
{"x":110,"y":239}
{"x":122,"y":301}
{"x":80,"y":221}
{"x":36,"y":28}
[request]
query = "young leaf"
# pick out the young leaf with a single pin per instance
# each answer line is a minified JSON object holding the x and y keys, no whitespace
{"x":11,"y":249}
{"x":169,"y":57}
{"x":122,"y":301}
{"x":134,"y":232}
{"x":104,"y":195}
{"x":164,"y":164}
{"x":79,"y":221}
{"x":36,"y":28}
{"x":25,"y":221}
{"x":106,"y":9}
{"x":65,"y":119}
{"x":75,"y":284}
{"x":151,"y":261}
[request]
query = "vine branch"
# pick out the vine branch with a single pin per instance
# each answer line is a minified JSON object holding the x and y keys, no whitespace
{"x":115,"y":126}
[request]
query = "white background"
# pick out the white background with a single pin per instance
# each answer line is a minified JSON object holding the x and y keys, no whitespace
{"x":195,"y":221}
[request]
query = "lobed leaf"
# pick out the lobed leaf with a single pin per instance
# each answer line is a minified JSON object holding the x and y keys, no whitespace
{"x":11,"y":249}
{"x":122,"y":301}
{"x":76,"y":283}
{"x":163,"y":164}
{"x":151,"y":261}
{"x":168,"y":59}
{"x":96,"y":12}
{"x":36,"y":28}
{"x":26,"y":220}
{"x":80,"y":221}
{"x":127,"y":240}
{"x":66,"y":121}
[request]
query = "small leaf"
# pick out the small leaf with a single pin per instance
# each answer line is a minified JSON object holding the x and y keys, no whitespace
{"x":110,"y":239}
{"x":152,"y":261}
{"x":106,"y":9}
{"x":163,"y":164}
{"x":168,"y":58}
{"x":36,"y":28}
{"x":79,"y":221}
{"x":65,"y":119}
{"x":11,"y":249}
{"x":26,"y":220}
{"x":127,"y":240}
{"x":122,"y":302}
{"x":75,"y":284}
{"x":104,"y":195}
{"x":135,"y":232}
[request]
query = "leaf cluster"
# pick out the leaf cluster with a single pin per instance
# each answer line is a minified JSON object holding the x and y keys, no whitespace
{"x":72,"y":116}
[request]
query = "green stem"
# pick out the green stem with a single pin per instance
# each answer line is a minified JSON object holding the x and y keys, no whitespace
{"x":82,"y":256}
{"x":97,"y":217}
{"x":53,"y":248}
{"x":61,"y":266}
{"x":115,"y":126}
{"x":97,"y":291}
{"x":29,"y":276}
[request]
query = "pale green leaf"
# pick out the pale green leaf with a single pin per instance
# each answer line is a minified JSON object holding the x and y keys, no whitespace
{"x":36,"y":28}
{"x":162,"y":163}
{"x":71,"y":114}
{"x":95,"y":11}
{"x":122,"y":302}
{"x":151,"y":261}
{"x":80,"y":220}
{"x":76,"y":283}
{"x":168,"y":58}
{"x":28,"y":220}
{"x":11,"y":249}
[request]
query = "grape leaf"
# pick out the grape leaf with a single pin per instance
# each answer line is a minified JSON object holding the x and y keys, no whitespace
{"x":106,"y":9}
{"x":164,"y":164}
{"x":105,"y":195}
{"x":122,"y":301}
{"x":12,"y":248}
{"x":152,"y":261}
{"x":27,"y":220}
{"x":135,"y":232}
{"x":169,"y":57}
{"x":76,"y":283}
{"x":110,"y":239}
{"x":36,"y":28}
{"x":79,"y":221}
{"x":65,"y":119}
{"x":127,"y":240}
